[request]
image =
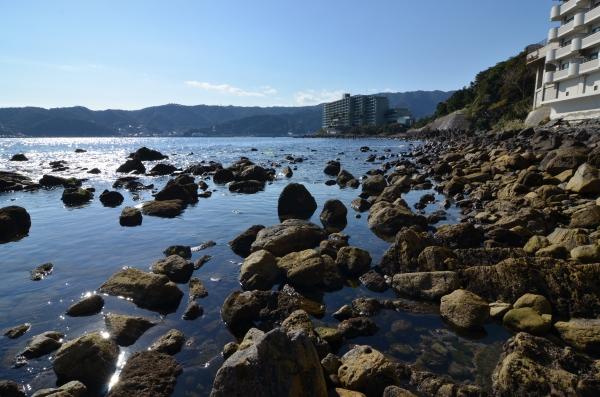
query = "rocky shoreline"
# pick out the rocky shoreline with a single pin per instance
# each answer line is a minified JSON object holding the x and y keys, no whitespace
{"x":525,"y":255}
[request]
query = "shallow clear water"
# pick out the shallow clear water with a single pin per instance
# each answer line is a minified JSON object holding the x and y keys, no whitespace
{"x":87,"y":245}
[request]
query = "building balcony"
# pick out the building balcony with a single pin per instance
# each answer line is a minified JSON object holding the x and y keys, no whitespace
{"x":553,"y":35}
{"x":565,"y":74}
{"x":592,"y":15}
{"x":590,"y":41}
{"x":576,"y":25}
{"x":549,"y":77}
{"x":560,"y":10}
{"x":589,"y":66}
{"x":566,"y":51}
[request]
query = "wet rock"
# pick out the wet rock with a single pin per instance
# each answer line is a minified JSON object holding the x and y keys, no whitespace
{"x":464,"y":309}
{"x":14,"y":223}
{"x":291,"y":235}
{"x":183,"y":251}
{"x":12,"y":181}
{"x":435,"y":258}
{"x":287,"y":172}
{"x":133,"y":165}
{"x":241,"y":309}
{"x":539,"y":303}
{"x":42,"y":271}
{"x":272,"y":364}
{"x":229,"y":349}
{"x":94,"y":171}
{"x":130,"y":217}
{"x":181,"y":188}
{"x":164,"y":209}
{"x":586,"y":253}
{"x":9,"y":388}
{"x":387,"y":219}
{"x":42,"y":344}
{"x":126,"y":330}
{"x":358,"y":326}
{"x":178,"y":270}
{"x":170,"y":343}
{"x":586,"y":180}
{"x":462,"y":235}
{"x":147,"y":290}
{"x":87,"y":306}
{"x":583,"y":334}
{"x":332,"y":168}
{"x":304,"y":269}
{"x":369,"y":371}
{"x":402,"y":256}
{"x":296,"y":202}
{"x":527,"y":319}
{"x":346,"y":179}
{"x":53,"y":181}
{"x":353,"y":261}
{"x":426,"y":285}
{"x":76,"y":196}
{"x":247,"y":187}
{"x":259,"y":271}
{"x":395,"y":391}
{"x":163,"y":169}
{"x":367,"y":307}
{"x":241,"y":245}
{"x":223,"y":176}
{"x":146,"y":154}
{"x":373,"y":281}
{"x":19,"y":157}
{"x":197,"y":289}
{"x":193,"y":311}
{"x":374,"y":185}
{"x":17,"y":331}
{"x":360,"y":205}
{"x":147,"y":373}
{"x":333,"y":216}
{"x":534,"y":366}
{"x":111,"y":199}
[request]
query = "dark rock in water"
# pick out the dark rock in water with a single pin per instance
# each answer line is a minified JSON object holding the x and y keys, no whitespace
{"x":241,"y":309}
{"x":170,"y":343}
{"x":78,"y":150}
{"x":291,"y":235}
{"x":130,"y":216}
{"x":132,"y":166}
{"x":183,"y":251}
{"x":332,"y":168}
{"x":360,"y":205}
{"x":247,"y":186}
{"x":178,"y":269}
{"x":242,"y":243}
{"x":204,"y":245}
{"x":201,"y":261}
{"x":346,"y":179}
{"x":147,"y":290}
{"x":145,"y":154}
{"x":272,"y":364}
{"x":131,"y":183}
{"x":42,"y":271}
{"x":19,"y":157}
{"x":287,"y":172}
{"x":374,"y":281}
{"x":42,"y":344}
{"x":147,"y":373}
{"x":8,"y":388}
{"x":94,"y":171}
{"x":426,"y":285}
{"x":402,"y":256}
{"x":91,"y":359}
{"x":53,"y":181}
{"x":254,"y":173}
{"x":259,"y":271}
{"x":296,"y":202}
{"x":18,"y":331}
{"x":111,"y":199}
{"x":197,"y":289}
{"x":535,"y":366}
{"x":223,"y":176}
{"x":193,"y":311}
{"x":163,"y":169}
{"x":87,"y":306}
{"x":76,"y":196}
{"x":126,"y":329}
{"x":180,"y":188}
{"x":353,"y":261}
{"x":12,"y":181}
{"x":358,"y":326}
{"x":70,"y":389}
{"x":203,"y":168}
{"x":333,"y":216}
{"x":330,"y":182}
{"x":14,"y":223}
{"x":164,"y":209}
{"x":374,"y":185}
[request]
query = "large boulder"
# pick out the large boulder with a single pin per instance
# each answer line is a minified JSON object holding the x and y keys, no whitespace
{"x":111,"y":198}
{"x":69,"y":389}
{"x":272,"y":364}
{"x":147,"y":373}
{"x":461,"y":235}
{"x":534,"y":366}
{"x":147,"y":290}
{"x":426,"y":285}
{"x":583,"y":334}
{"x":14,"y":223}
{"x":464,"y":309}
{"x":296,"y":202}
{"x":528,"y":320}
{"x":563,"y":159}
{"x":242,"y":244}
{"x":402,"y":256}
{"x":42,"y":344}
{"x":353,"y":261}
{"x":91,"y":359}
{"x":164,"y":209}
{"x":178,"y":269}
{"x":333,"y":216}
{"x":259,"y":271}
{"x":181,"y":188}
{"x":374,"y":184}
{"x":241,"y":309}
{"x":133,"y":165}
{"x":146,"y":154}
{"x":387,"y":219}
{"x":585,"y":181}
{"x":291,"y":235}
{"x":76,"y":196}
{"x":126,"y":330}
{"x":367,"y":370}
{"x":130,"y":217}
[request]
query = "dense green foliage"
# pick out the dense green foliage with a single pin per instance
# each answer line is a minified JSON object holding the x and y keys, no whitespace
{"x":498,"y":95}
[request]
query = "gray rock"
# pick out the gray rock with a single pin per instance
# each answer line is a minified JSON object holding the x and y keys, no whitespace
{"x":178,"y":270}
{"x":464,"y":309}
{"x":127,"y":329}
{"x":42,"y":344}
{"x":87,"y":306}
{"x":130,"y":217}
{"x":289,"y":236}
{"x":353,"y":261}
{"x":583,"y":334}
{"x":426,"y":285}
{"x":70,"y":389}
{"x":170,"y":343}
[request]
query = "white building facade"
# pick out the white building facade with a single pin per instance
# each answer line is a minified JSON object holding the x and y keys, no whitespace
{"x":568,"y":64}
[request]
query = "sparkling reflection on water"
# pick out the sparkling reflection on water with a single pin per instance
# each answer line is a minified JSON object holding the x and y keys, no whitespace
{"x":87,"y":245}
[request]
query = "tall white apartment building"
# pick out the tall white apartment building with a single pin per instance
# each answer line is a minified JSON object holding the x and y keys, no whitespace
{"x":568,"y":68}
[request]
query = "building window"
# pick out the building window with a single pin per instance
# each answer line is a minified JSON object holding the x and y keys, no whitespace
{"x":564,"y":66}
{"x":565,"y":42}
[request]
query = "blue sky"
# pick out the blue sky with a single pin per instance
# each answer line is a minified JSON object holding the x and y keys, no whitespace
{"x":131,"y":54}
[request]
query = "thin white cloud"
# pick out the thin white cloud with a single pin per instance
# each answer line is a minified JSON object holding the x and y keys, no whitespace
{"x":313,"y":97}
{"x":231,"y":90}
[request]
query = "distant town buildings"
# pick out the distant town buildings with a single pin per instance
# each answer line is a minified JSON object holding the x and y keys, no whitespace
{"x":362,"y":110}
{"x":568,"y":68}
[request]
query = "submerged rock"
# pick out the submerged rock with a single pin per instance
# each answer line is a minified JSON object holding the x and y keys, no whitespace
{"x":14,"y":223}
{"x":130,"y":217}
{"x":87,"y":306}
{"x":270,"y":365}
{"x":111,"y":199}
{"x":296,"y":202}
{"x":170,"y":343}
{"x":41,"y":272}
{"x":126,"y":330}
{"x":42,"y":344}
{"x":17,"y":331}
{"x":178,"y":270}
{"x":164,"y":209}
{"x":76,"y":196}
{"x":197,"y":289}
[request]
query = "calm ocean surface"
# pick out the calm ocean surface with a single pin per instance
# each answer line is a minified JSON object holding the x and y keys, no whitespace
{"x":87,"y":245}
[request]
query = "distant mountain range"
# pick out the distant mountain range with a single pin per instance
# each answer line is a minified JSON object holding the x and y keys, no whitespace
{"x":200,"y":120}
